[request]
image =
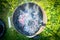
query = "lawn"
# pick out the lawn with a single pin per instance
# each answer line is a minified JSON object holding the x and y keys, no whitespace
{"x":52,"y":9}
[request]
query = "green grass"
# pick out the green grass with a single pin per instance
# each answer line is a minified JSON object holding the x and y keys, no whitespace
{"x":52,"y":29}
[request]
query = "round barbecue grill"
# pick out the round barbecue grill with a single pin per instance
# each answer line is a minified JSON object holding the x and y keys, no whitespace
{"x":29,"y":19}
{"x":2,"y":28}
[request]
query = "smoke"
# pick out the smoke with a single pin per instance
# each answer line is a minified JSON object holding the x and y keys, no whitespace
{"x":29,"y":18}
